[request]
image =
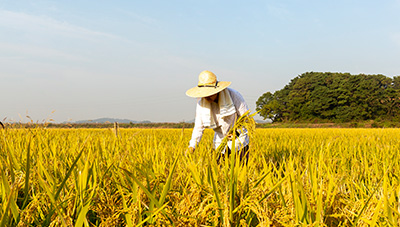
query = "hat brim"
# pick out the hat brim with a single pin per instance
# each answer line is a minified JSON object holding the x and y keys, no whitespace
{"x":200,"y":92}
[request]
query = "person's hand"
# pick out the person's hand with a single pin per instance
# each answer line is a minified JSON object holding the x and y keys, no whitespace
{"x":189,"y":150}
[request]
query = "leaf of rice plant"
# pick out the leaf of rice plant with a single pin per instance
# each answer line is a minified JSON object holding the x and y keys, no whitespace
{"x":82,"y":216}
{"x":27,"y":173}
{"x":5,"y":219}
{"x":152,"y":215}
{"x":366,"y":204}
{"x":167,"y":185}
{"x":273,"y":189}
{"x":216,"y":194}
{"x":9,"y":190}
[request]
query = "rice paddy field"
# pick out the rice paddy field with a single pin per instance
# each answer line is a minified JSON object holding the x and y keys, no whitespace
{"x":142,"y":177}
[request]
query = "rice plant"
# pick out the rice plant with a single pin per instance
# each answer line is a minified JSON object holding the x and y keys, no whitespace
{"x":141,"y":177}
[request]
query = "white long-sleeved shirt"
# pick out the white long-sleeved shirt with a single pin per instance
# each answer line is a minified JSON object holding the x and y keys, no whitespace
{"x":223,"y":122}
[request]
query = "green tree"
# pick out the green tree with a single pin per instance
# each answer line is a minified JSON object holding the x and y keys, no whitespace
{"x":333,"y":97}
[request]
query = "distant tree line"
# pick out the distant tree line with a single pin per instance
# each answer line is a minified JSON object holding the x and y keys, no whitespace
{"x":179,"y":125}
{"x":335,"y":97}
{"x":123,"y":125}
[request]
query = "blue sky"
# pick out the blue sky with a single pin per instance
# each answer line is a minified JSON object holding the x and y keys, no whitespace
{"x":76,"y":60}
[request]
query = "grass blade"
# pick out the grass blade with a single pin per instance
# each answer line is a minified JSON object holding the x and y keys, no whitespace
{"x":150,"y":195}
{"x":145,"y":189}
{"x":9,"y":189}
{"x":272,"y":189}
{"x":216,"y":194}
{"x":366,"y":204}
{"x":167,"y":185}
{"x":27,"y":173}
{"x":5,"y":219}
{"x":232,"y":180}
{"x":82,"y":216}
{"x":71,"y":168}
{"x":152,"y":215}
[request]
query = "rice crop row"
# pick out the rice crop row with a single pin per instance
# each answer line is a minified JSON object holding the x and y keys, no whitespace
{"x":294,"y":177}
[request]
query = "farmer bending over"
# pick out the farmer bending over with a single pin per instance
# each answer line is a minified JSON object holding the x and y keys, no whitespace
{"x":218,"y":107}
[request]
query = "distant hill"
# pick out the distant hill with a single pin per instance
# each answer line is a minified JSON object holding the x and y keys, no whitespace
{"x":111,"y":120}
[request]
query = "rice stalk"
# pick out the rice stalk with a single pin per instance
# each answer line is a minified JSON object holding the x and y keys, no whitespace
{"x":216,"y":194}
{"x":244,"y":122}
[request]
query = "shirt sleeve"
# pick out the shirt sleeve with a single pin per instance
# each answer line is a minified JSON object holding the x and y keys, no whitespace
{"x":241,"y":108}
{"x":238,"y":101}
{"x":198,"y":129}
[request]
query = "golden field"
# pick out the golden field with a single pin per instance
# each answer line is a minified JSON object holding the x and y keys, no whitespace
{"x":294,"y":177}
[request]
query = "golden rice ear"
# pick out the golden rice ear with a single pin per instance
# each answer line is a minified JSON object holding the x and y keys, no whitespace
{"x":246,"y":121}
{"x":1,"y":124}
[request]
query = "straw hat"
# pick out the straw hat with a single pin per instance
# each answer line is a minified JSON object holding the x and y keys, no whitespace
{"x":208,"y":85}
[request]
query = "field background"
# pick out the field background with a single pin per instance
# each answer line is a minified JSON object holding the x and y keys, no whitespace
{"x":294,"y":177}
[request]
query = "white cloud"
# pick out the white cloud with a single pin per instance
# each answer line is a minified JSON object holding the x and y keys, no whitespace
{"x":43,"y":43}
{"x":21,"y":51}
{"x":39,"y":24}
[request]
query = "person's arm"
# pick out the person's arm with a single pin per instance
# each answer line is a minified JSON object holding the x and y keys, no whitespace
{"x":242,"y":140}
{"x":198,"y":129}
